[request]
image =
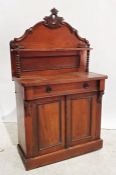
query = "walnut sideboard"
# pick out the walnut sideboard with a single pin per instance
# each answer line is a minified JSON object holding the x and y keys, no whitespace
{"x":58,"y":99}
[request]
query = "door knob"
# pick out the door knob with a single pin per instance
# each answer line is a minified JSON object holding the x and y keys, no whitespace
{"x":48,"y":89}
{"x":85,"y":85}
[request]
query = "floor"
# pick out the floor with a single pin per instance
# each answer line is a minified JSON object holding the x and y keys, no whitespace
{"x":102,"y":162}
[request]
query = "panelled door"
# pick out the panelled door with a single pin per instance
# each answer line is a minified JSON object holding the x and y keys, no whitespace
{"x":83,"y":118}
{"x":48,"y":125}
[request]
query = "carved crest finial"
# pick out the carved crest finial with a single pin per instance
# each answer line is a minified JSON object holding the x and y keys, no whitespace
{"x":54,"y":11}
{"x":53,"y":21}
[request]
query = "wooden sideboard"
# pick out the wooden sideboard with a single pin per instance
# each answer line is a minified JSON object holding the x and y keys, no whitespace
{"x":58,"y":99}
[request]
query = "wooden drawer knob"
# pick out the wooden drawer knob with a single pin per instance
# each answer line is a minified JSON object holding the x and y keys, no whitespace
{"x":48,"y":89}
{"x":85,"y":85}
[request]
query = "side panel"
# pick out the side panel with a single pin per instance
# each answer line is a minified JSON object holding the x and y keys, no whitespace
{"x":20,"y":116}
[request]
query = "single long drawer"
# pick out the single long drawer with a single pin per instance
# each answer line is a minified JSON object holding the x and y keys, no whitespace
{"x":35,"y":92}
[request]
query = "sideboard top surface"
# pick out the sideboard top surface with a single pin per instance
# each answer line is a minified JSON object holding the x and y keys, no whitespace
{"x":61,"y":78}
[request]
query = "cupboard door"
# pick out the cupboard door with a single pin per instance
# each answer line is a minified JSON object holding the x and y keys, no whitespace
{"x":81,"y":118}
{"x":48,"y":125}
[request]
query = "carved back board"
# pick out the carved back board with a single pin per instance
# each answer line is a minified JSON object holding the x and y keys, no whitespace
{"x":51,"y":38}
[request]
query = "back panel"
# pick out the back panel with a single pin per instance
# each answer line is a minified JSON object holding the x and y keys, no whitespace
{"x":49,"y":45}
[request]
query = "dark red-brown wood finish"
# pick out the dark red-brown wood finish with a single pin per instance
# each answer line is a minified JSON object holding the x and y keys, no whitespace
{"x":58,"y":99}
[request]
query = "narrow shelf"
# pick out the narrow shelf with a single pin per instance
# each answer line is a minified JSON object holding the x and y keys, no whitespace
{"x":44,"y":52}
{"x":53,"y":49}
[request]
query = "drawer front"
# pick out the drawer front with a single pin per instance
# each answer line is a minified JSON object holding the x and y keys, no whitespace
{"x":60,"y":89}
